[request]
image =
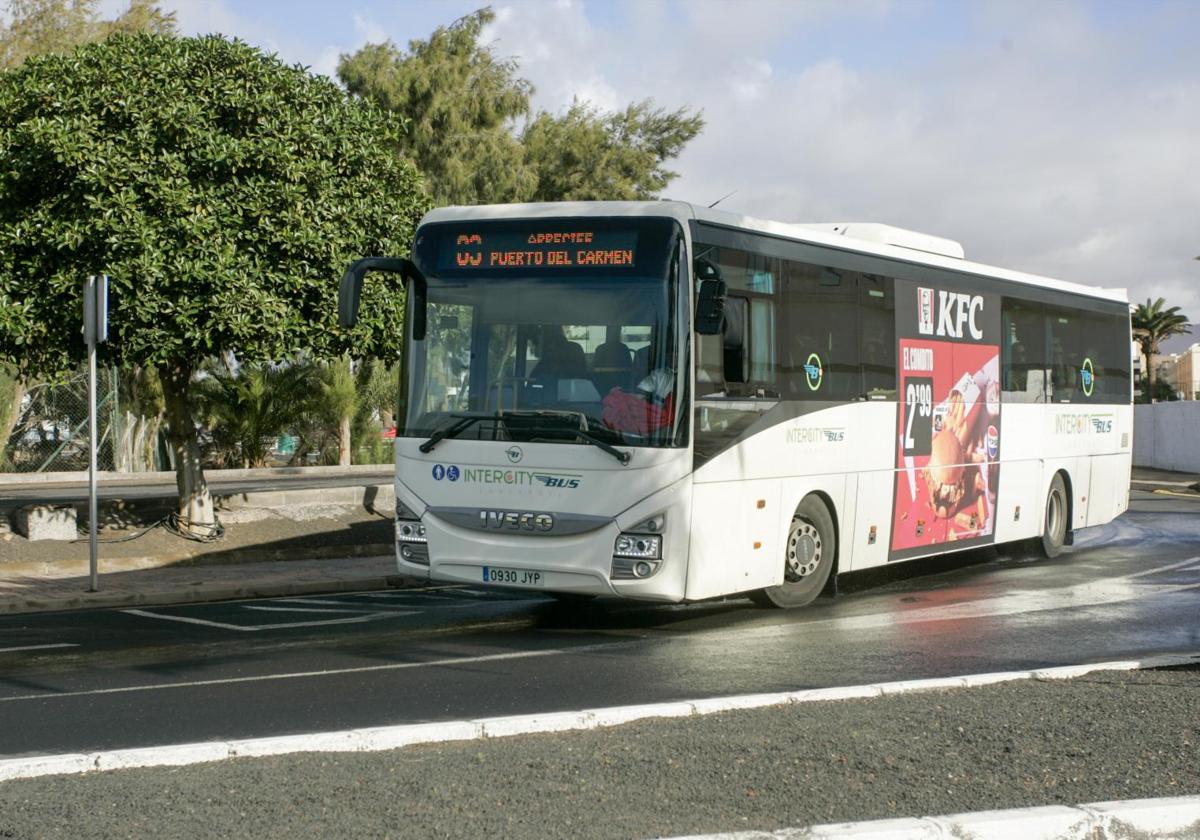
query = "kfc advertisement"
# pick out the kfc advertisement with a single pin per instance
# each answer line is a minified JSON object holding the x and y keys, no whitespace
{"x":948,"y":441}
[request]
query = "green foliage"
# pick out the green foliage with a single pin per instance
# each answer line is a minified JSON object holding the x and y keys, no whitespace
{"x":1152,"y":325}
{"x":586,"y":154}
{"x":246,"y":411}
{"x":41,"y":27}
{"x":462,"y":101}
{"x":378,"y":387}
{"x":223,"y":191}
{"x":11,"y":391}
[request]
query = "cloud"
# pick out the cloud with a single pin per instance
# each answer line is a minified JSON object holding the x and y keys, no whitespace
{"x":1052,"y":138}
{"x":1043,"y":142}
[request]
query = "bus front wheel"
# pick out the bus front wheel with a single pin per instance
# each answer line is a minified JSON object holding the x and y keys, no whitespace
{"x":1054,"y":526}
{"x":807,"y":558}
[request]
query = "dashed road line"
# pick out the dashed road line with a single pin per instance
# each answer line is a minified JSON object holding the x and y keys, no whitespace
{"x":295,"y":675}
{"x":255,"y":628}
{"x":37,"y":647}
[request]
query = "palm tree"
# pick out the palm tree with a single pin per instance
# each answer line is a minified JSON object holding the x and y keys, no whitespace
{"x":1152,"y":325}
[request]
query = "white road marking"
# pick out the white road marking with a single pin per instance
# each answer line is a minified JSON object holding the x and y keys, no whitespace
{"x":318,"y":610}
{"x":37,"y":647}
{"x":375,"y":739}
{"x":1173,"y":816}
{"x":254,"y":628}
{"x":364,"y":669}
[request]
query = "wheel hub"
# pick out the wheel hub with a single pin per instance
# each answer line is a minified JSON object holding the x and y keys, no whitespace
{"x":803,"y":551}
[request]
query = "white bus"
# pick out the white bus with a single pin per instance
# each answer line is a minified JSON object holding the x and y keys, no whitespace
{"x":671,"y":403}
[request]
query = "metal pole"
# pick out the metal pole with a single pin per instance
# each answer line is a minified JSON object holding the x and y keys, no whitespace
{"x":92,"y":565}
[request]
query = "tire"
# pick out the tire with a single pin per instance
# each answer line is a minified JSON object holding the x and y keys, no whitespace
{"x":1054,"y":523}
{"x":808,"y":558}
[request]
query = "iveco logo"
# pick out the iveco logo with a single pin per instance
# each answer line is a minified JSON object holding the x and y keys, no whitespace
{"x":514,"y":454}
{"x":515,"y":520}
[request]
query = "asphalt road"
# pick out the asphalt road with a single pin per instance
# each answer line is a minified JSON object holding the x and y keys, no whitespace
{"x":114,"y":679}
{"x":82,"y":681}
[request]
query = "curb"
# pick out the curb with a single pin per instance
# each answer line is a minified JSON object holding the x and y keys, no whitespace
{"x":1188,"y":495}
{"x":199,"y":595}
{"x":1170,"y":817}
{"x":376,"y":739}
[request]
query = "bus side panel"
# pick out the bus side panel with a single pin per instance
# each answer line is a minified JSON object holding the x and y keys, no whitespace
{"x":1021,"y":495}
{"x":1109,"y":493}
{"x":736,"y":544}
{"x":865,"y":542}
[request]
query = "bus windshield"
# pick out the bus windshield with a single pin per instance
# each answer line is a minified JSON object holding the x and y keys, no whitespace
{"x":542,"y":330}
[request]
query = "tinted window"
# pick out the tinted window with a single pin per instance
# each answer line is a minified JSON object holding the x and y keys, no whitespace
{"x":818,"y":354}
{"x":877,"y":316}
{"x":1023,"y":352}
{"x":1106,"y":348}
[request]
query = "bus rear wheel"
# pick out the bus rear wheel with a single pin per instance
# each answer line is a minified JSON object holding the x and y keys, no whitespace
{"x":807,"y":558}
{"x":1054,"y":526}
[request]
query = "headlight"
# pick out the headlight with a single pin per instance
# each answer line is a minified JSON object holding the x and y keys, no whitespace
{"x":409,"y":532}
{"x":638,"y":546}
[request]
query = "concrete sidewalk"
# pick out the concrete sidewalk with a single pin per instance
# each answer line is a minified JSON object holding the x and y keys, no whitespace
{"x":1148,"y":478}
{"x":39,"y":587}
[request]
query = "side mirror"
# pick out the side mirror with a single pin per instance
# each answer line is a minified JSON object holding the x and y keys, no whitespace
{"x":350,"y":290}
{"x":710,"y":300}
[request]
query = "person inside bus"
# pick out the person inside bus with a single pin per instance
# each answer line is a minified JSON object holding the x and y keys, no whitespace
{"x":560,"y":357}
{"x":612,"y":363}
{"x":649,"y":408}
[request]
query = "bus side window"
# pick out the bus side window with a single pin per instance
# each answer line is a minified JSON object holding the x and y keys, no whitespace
{"x":877,"y":317}
{"x":819,"y":333}
{"x":735,"y":333}
{"x":1023,"y":352}
{"x":1065,"y":349}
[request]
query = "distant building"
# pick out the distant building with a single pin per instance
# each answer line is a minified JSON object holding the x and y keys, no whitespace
{"x":1166,"y":369}
{"x":1187,"y":373}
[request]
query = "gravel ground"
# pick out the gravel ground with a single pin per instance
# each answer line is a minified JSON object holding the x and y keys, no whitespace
{"x":1105,"y":736}
{"x":267,"y":533}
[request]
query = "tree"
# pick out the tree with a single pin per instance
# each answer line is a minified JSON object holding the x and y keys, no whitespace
{"x":1152,"y":325}
{"x":41,"y":27}
{"x":246,"y":411}
{"x":461,"y":100}
{"x":586,"y":154}
{"x":464,"y":103}
{"x":37,"y":27}
{"x":223,"y":191}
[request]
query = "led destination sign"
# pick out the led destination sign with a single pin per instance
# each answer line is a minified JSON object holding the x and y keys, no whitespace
{"x":539,"y":249}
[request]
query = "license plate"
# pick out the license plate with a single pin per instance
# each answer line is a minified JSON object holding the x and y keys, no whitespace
{"x":512,"y":577}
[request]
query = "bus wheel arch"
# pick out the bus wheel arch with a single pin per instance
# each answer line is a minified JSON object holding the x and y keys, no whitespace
{"x":810,"y":556}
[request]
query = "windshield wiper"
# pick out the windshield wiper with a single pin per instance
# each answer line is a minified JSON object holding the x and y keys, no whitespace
{"x":453,"y":430}
{"x":580,"y":432}
{"x":623,"y":457}
{"x":464,"y":421}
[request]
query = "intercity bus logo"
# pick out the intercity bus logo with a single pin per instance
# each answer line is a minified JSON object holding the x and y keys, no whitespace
{"x":810,"y":435}
{"x":1083,"y":424}
{"x":1087,"y":377}
{"x":510,"y":478}
{"x":813,"y":371}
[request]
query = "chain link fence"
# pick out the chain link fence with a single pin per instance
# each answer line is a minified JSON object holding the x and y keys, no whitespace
{"x":51,"y":429}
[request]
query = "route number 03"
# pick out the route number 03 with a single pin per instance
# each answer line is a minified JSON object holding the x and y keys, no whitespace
{"x":918,"y":398}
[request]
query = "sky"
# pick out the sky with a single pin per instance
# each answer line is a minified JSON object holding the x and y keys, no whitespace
{"x":1055,"y":137}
